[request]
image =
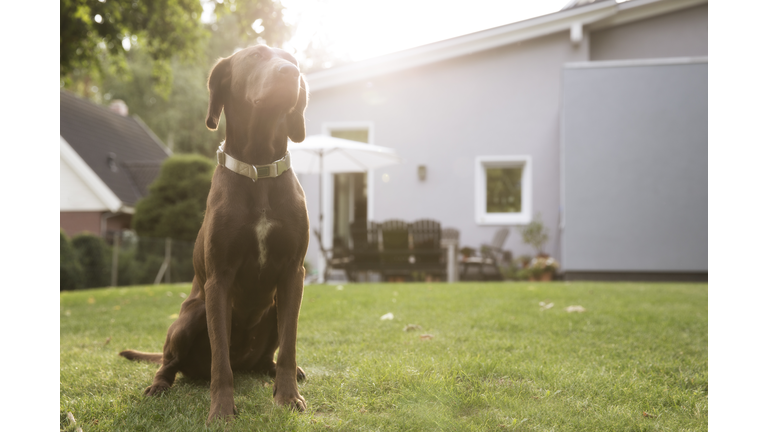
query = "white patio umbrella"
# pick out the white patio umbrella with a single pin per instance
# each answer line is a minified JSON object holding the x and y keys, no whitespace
{"x":325,"y":154}
{"x":319,"y":154}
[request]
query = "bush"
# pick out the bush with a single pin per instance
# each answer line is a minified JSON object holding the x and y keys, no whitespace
{"x":94,"y":257}
{"x":71,"y":273}
{"x":176,"y":201}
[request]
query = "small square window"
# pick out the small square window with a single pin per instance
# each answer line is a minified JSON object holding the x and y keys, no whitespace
{"x":503,"y":190}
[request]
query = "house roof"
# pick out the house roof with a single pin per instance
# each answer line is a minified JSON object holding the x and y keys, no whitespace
{"x":573,"y":17}
{"x":120,"y":150}
{"x":576,"y":3}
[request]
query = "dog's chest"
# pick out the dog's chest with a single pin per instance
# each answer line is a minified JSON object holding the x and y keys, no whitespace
{"x":262,"y":229}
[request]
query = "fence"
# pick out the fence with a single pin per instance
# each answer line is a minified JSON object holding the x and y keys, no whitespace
{"x":125,"y":259}
{"x":142,"y":260}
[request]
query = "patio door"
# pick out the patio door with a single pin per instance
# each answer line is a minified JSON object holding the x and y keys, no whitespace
{"x":350,"y":193}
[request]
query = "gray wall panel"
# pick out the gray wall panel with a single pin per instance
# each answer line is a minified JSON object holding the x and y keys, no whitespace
{"x":678,"y":34}
{"x":635,"y":168}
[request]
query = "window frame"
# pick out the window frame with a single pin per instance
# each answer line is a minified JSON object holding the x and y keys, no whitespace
{"x":524,"y":216}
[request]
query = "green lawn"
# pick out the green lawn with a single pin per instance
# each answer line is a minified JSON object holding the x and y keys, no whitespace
{"x":635,"y":360}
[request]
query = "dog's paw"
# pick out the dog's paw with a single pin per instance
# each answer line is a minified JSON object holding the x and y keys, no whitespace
{"x":156,"y":389}
{"x":300,"y":374}
{"x":221,"y":412}
{"x":296,"y":402}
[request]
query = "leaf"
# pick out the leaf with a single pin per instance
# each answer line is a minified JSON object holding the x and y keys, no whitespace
{"x":545,"y":306}
{"x":71,"y":418}
{"x":575,"y":308}
{"x":426,"y":337}
{"x":388,"y":316}
{"x":411,"y":327}
{"x":108,"y":339}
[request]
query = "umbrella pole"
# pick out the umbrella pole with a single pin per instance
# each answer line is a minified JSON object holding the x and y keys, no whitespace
{"x":320,"y":228}
{"x":321,"y":198}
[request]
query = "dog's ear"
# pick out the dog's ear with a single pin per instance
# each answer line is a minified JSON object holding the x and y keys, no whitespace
{"x":218,"y":87}
{"x":296,"y":128}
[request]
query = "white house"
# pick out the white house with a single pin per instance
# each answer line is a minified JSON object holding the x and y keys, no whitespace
{"x":594,"y":117}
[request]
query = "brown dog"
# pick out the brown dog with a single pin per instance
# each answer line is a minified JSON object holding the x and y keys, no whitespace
{"x":249,"y":253}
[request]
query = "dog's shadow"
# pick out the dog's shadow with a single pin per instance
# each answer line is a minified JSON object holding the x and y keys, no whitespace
{"x":244,"y":382}
{"x":189,"y":399}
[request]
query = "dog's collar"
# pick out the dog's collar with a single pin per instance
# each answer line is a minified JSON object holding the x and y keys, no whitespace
{"x":254,"y":172}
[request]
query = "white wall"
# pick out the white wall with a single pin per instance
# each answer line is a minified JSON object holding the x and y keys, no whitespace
{"x":499,"y":102}
{"x":75,"y":194}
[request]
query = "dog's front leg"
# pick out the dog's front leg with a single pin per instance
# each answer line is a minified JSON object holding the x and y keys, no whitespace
{"x":289,"y":294}
{"x":219,"y":317}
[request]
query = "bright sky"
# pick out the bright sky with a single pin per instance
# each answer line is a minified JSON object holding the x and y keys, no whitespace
{"x":363,"y":29}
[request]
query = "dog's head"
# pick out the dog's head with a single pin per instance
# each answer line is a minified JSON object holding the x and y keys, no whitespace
{"x":259,"y":77}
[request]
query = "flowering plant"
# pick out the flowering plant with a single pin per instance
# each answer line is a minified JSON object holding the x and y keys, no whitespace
{"x":541,"y":266}
{"x":544,"y":264}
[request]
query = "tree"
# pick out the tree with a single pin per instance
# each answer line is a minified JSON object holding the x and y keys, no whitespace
{"x":175,"y":111}
{"x":176,"y":202}
{"x":96,"y":34}
{"x":177,"y":119}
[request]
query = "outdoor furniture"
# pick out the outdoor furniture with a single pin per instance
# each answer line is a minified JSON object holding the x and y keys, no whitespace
{"x":493,"y":251}
{"x":450,"y":242}
{"x":332,"y":257}
{"x":322,"y":154}
{"x":486,"y":266}
{"x":396,"y":249}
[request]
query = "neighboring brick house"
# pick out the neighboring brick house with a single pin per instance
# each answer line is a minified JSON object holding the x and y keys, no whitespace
{"x":108,"y":160}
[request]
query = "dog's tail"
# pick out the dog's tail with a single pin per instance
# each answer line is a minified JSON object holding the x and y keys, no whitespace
{"x":142,"y":356}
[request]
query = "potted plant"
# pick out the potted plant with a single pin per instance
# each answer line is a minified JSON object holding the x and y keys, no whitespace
{"x":542,"y":267}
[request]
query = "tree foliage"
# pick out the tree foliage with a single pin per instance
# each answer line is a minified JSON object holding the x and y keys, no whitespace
{"x":92,"y":34}
{"x":96,"y":35}
{"x":176,"y":202}
{"x":175,"y":108}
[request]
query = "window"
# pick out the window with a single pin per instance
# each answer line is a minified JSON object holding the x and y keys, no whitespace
{"x":503,"y":190}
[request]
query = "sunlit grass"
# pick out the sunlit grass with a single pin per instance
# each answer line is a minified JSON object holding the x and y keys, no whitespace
{"x":496,"y":360}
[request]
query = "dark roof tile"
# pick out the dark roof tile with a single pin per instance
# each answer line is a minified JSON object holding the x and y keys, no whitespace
{"x":99,"y":135}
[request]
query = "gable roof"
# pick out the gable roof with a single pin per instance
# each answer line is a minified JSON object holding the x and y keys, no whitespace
{"x":120,"y":150}
{"x":596,"y":14}
{"x":577,"y":3}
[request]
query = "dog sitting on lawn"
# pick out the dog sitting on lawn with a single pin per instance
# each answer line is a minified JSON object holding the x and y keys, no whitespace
{"x":249,"y":253}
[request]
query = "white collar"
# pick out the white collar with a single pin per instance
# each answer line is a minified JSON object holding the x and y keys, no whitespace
{"x":254,"y":172}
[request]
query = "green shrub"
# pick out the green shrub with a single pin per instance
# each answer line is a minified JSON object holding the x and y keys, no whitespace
{"x":176,"y":202}
{"x":94,"y":257}
{"x":71,"y":274}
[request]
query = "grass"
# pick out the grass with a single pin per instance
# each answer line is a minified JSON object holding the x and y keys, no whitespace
{"x":636,"y":360}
